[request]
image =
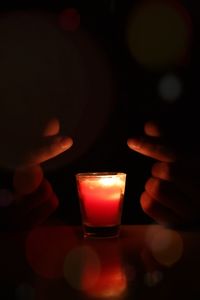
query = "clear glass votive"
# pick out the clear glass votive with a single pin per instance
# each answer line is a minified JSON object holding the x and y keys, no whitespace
{"x":101,"y":196}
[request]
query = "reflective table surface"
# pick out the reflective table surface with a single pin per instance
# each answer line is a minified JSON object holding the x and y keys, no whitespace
{"x":54,"y":261}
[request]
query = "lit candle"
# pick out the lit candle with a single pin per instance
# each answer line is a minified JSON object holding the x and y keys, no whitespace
{"x":101,"y":198}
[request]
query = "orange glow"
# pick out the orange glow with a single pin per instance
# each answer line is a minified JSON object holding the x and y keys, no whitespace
{"x":111,"y":280}
{"x":96,"y":269}
{"x":101,"y":198}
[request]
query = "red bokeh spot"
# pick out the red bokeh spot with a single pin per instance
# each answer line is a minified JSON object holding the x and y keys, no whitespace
{"x":46,"y":249}
{"x":69,"y":19}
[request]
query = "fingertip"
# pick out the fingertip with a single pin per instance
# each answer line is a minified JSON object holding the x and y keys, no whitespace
{"x":54,"y":202}
{"x":151,"y":128}
{"x":134,"y":143}
{"x":51,"y":147}
{"x":52,"y":127}
{"x":66,"y":143}
{"x":152,"y":186}
{"x":146,"y":202}
{"x":129,"y":142}
{"x":142,"y":198}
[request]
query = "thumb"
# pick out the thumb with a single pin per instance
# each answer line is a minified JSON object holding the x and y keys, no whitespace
{"x":153,"y":129}
{"x":47,"y":148}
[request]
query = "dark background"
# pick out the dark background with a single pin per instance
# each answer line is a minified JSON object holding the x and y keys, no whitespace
{"x":137,"y":101}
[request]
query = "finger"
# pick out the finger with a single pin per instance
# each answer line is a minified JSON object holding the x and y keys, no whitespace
{"x":177,"y":171}
{"x":187,"y":181}
{"x":51,"y":147}
{"x":170,"y":197}
{"x":28,"y":202}
{"x":157,"y":212}
{"x":164,"y":171}
{"x":151,"y":128}
{"x":27,"y":180}
{"x":23,"y":214}
{"x":40,"y":214}
{"x":151,"y":149}
{"x":52,"y":127}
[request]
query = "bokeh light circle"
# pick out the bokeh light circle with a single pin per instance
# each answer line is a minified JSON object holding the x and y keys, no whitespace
{"x":165,"y":245}
{"x":82,"y":268}
{"x":170,"y":88}
{"x":159,"y":33}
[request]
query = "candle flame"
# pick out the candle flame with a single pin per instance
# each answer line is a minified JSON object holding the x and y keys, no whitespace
{"x":110,"y":181}
{"x":116,"y":182}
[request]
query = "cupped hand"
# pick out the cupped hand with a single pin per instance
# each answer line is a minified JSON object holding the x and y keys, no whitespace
{"x":34,"y":199}
{"x":172,"y":193}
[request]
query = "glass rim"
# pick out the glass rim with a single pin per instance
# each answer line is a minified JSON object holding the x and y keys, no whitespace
{"x":99,"y":174}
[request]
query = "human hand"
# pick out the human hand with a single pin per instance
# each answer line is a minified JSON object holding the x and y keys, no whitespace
{"x":171,"y":195}
{"x":29,"y":210}
{"x":33,"y":197}
{"x":48,"y":145}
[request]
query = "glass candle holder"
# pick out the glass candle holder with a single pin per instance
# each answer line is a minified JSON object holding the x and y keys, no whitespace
{"x":101,"y":198}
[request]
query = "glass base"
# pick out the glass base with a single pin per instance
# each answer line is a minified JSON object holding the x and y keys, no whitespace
{"x":101,"y":232}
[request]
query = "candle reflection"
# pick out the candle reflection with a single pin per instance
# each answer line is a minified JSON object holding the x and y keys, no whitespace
{"x":112,"y":281}
{"x":96,"y":269}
